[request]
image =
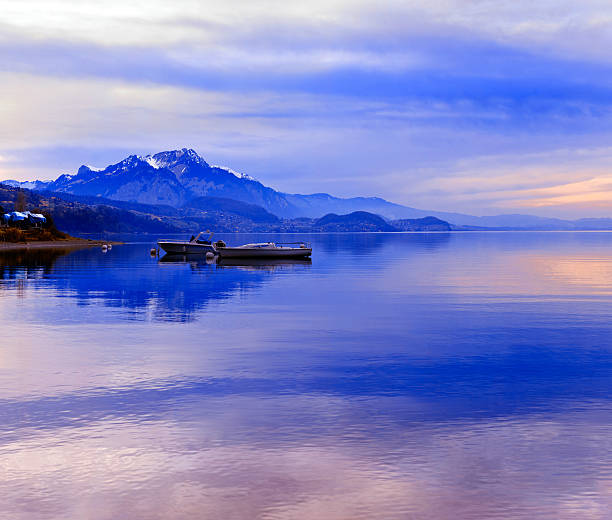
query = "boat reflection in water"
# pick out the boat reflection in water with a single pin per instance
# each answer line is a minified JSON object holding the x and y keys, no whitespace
{"x":173,"y":258}
{"x":249,"y":264}
{"x":267,"y":264}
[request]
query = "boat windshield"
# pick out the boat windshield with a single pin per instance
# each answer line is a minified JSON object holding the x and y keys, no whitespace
{"x":199,"y":240}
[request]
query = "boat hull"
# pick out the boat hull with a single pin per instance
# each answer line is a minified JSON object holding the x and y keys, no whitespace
{"x":186,"y":248}
{"x":288,"y":252}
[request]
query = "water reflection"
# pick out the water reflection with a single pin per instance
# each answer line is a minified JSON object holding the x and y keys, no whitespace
{"x":266,"y":264}
{"x":24,"y":264}
{"x":193,"y":260}
{"x":446,"y":391}
{"x":176,"y":289}
{"x":395,"y":376}
{"x":249,"y":264}
{"x":367,"y":244}
{"x":126,"y":278}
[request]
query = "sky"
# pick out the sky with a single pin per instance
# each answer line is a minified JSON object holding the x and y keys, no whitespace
{"x":460,"y":105}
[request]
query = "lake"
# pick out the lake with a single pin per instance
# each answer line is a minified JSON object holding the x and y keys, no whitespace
{"x":396,"y":376}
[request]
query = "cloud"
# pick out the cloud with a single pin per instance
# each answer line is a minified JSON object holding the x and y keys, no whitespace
{"x":155,"y":23}
{"x":569,"y":181}
{"x":591,"y":194}
{"x":392,"y":100}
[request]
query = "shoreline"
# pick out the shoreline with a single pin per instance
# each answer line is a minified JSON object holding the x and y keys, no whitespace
{"x":77,"y":243}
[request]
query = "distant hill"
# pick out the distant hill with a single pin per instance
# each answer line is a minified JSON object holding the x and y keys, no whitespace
{"x":591,"y":224}
{"x":364,"y":221}
{"x":356,"y":221}
{"x":421,"y":224}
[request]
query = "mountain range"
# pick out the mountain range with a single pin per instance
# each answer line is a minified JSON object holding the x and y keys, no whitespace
{"x":177,"y":177}
{"x":181,"y":178}
{"x":82,"y":214}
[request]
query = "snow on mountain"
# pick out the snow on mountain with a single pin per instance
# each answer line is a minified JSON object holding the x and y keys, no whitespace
{"x":234,"y":172}
{"x":173,"y":158}
{"x":151,"y":160}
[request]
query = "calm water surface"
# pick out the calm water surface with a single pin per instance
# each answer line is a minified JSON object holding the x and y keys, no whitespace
{"x":397,"y":376}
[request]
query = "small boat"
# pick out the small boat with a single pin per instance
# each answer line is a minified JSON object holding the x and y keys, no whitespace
{"x":195,"y":245}
{"x":265,"y":249}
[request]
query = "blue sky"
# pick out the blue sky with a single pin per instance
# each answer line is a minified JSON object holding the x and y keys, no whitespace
{"x":464,"y":105}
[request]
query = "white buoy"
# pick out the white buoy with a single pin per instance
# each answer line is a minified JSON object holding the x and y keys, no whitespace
{"x":104,"y":248}
{"x":110,"y":246}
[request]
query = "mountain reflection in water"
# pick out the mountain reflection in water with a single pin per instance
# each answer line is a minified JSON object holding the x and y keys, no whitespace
{"x":175,"y":289}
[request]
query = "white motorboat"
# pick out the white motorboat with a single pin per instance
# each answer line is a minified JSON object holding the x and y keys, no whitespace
{"x":195,"y":245}
{"x":264,"y":249}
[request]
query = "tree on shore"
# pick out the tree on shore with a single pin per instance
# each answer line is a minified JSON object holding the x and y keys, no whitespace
{"x":20,"y":202}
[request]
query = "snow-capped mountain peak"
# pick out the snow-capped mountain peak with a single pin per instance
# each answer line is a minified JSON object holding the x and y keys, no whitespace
{"x":170,"y":159}
{"x":175,"y":178}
